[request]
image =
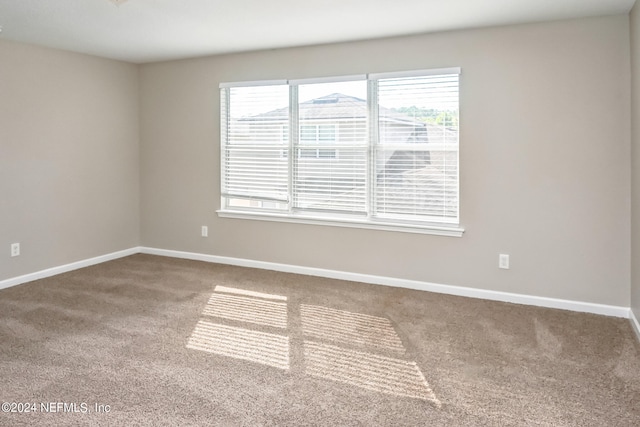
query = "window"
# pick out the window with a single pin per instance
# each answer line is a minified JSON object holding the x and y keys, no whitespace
{"x":315,"y":135}
{"x":375,"y":151}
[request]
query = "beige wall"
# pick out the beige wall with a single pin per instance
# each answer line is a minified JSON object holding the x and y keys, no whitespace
{"x":69,"y":157}
{"x":635,"y":159}
{"x":545,"y":171}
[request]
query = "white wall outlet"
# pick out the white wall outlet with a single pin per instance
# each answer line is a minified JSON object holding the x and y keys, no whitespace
{"x":15,"y":249}
{"x":205,"y":231}
{"x":503,"y":261}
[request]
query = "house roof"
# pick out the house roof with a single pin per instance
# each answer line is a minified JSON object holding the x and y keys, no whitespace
{"x":335,"y":106}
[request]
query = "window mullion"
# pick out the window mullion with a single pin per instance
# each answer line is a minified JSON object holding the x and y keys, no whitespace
{"x":373,"y":137}
{"x":224,"y":138}
{"x":294,"y":127}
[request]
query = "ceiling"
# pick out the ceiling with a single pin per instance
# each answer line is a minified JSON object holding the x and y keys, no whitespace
{"x":142,"y":31}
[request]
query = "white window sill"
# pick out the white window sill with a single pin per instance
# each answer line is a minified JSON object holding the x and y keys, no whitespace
{"x":437,"y":230}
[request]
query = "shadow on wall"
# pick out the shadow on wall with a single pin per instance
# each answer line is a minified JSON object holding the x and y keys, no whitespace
{"x":351,"y":348}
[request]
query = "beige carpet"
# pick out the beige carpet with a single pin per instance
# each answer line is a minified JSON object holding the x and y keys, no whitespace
{"x":166,"y":342}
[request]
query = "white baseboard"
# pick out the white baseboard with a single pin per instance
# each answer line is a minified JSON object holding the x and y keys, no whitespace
{"x":634,"y":323}
{"x":585,"y":307}
{"x":66,"y":268}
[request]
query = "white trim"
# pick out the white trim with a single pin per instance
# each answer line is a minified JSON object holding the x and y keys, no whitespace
{"x":414,"y":73}
{"x":634,"y":323}
{"x":66,"y":268}
{"x":347,"y":78}
{"x":584,"y":307}
{"x":578,"y":306}
{"x":438,"y":230}
{"x":331,"y":79}
{"x":253,"y":83}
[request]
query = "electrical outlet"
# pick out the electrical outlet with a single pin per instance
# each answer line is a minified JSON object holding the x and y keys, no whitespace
{"x":503,"y":261}
{"x":205,"y":231}
{"x":15,"y":249}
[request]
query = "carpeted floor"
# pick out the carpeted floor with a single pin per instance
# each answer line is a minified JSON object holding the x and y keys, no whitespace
{"x":149,"y":340}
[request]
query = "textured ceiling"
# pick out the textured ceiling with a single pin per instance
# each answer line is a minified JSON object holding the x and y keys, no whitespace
{"x":154,"y":30}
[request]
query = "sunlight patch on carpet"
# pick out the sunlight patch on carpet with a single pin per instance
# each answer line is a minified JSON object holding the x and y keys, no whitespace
{"x":246,"y":309}
{"x":247,"y":293}
{"x":240,"y":343}
{"x":369,"y":371}
{"x":348,"y":327}
{"x":344,"y":346}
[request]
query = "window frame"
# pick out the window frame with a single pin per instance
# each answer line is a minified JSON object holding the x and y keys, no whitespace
{"x":332,"y":218}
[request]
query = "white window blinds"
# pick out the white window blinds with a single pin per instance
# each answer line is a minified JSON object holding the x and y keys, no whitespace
{"x":416,"y":153}
{"x":330,"y":169}
{"x":254,"y":124}
{"x":380,"y":149}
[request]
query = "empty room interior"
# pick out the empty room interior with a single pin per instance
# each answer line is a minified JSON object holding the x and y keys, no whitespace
{"x":343,"y":213}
